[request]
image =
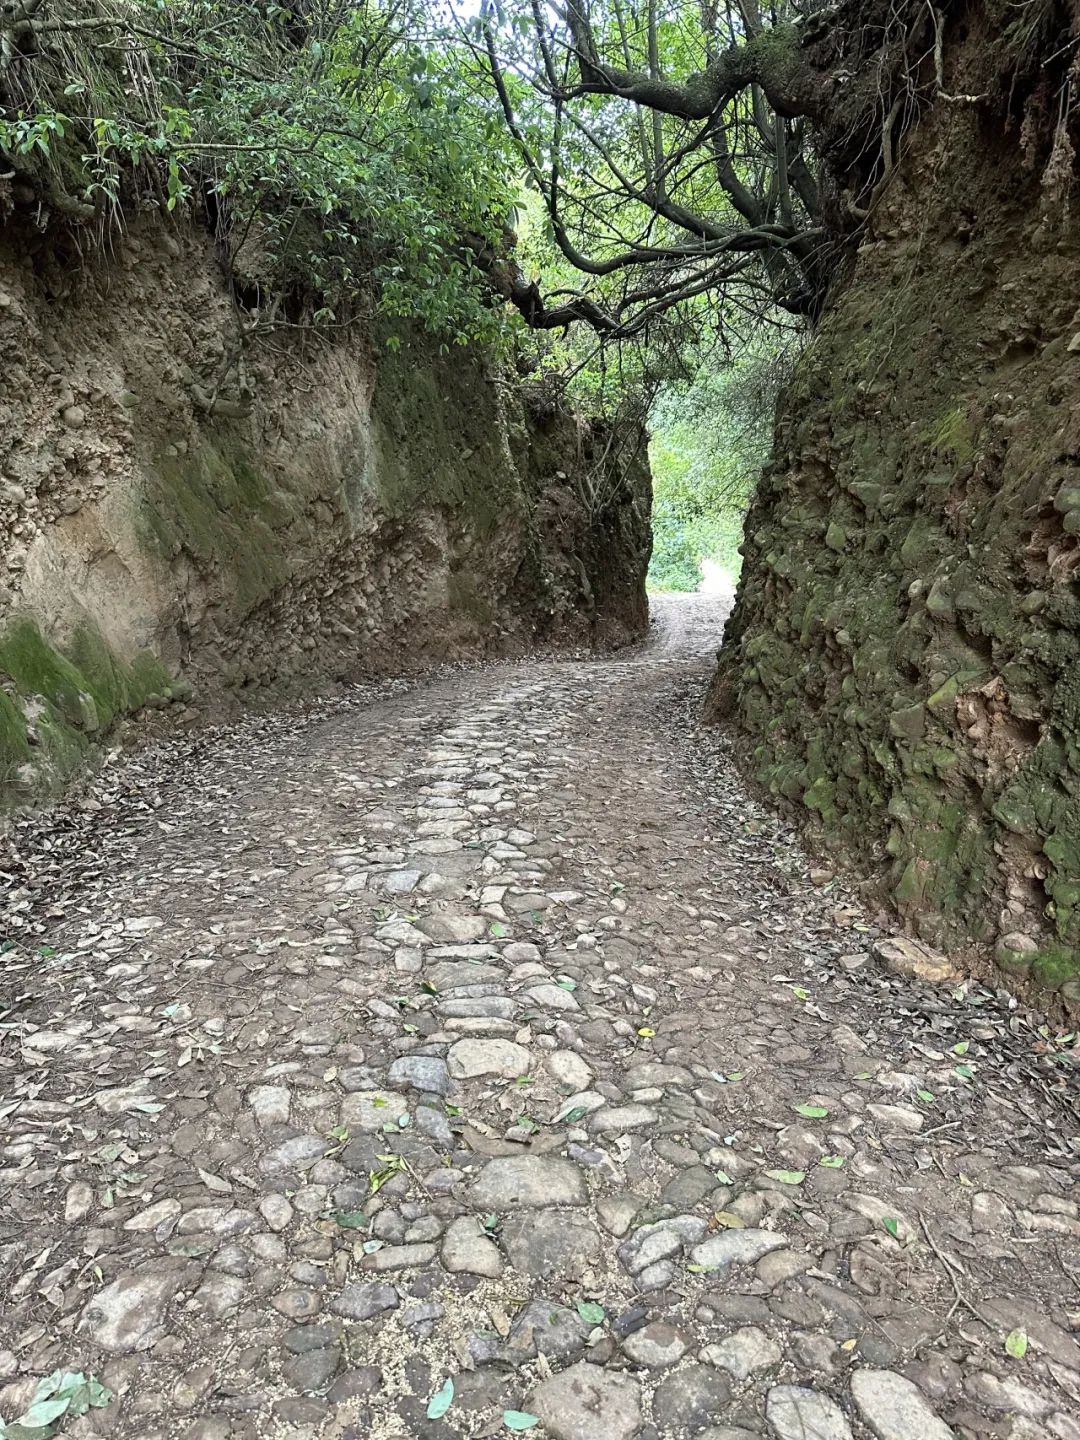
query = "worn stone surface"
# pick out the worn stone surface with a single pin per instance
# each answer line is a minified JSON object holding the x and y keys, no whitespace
{"x":894,"y":1408}
{"x":584,"y":1402}
{"x":796,"y":1412}
{"x":241,"y":1185}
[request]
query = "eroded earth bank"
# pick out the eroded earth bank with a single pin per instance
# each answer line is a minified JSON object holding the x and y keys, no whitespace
{"x":484,"y":1031}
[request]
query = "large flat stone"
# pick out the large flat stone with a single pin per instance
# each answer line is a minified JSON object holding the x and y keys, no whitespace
{"x":894,"y":1407}
{"x":736,"y":1247}
{"x":550,"y":1244}
{"x":467,"y":1250}
{"x":471,"y":1059}
{"x":372,"y":1110}
{"x":586,"y":1402}
{"x":795,"y":1412}
{"x":131,"y":1313}
{"x":524,"y":1182}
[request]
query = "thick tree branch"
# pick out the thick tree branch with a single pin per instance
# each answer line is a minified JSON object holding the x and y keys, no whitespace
{"x":772,"y":59}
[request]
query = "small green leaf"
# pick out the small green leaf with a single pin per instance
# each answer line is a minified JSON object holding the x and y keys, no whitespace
{"x":728,"y":1220}
{"x":927,"y":1095}
{"x":441,"y":1401}
{"x":351,"y":1219}
{"x":590,"y":1312}
{"x":498,"y":929}
{"x":892,"y":1226}
{"x":800,"y":993}
{"x":812,"y":1112}
{"x":646,"y":1032}
{"x":572,"y":1116}
{"x":962,"y":1048}
{"x":724,"y":1177}
{"x":1016,"y":1344}
{"x":964,"y":1071}
{"x":519,"y":1420}
{"x":787,"y":1177}
{"x":566,"y":982}
{"x":735,"y":1076}
{"x":832,"y":1162}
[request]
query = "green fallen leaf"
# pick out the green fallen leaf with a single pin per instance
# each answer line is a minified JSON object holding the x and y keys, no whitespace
{"x":519,"y":1420}
{"x":812,"y":1112}
{"x":572,"y":1116}
{"x":590,"y":1312}
{"x":441,"y":1401}
{"x":350,"y":1219}
{"x":927,"y":1095}
{"x":964,"y":1071}
{"x":735,"y":1076}
{"x":892,"y":1226}
{"x":498,"y":929}
{"x":724,"y":1177}
{"x":962,"y":1048}
{"x":787,"y":1177}
{"x":1016,"y":1344}
{"x":566,"y":982}
{"x":646,"y":1032}
{"x":800,"y":993}
{"x":728,"y":1220}
{"x":832,"y":1162}
{"x":62,"y":1394}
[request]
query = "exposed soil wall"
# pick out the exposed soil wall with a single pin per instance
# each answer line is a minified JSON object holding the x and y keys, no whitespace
{"x":904,"y":653}
{"x":363,"y":511}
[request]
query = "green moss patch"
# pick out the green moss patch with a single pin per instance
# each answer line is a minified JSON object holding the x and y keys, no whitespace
{"x":54,"y":705}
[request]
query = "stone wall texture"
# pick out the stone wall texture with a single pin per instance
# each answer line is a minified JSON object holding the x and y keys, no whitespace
{"x":904,"y":653}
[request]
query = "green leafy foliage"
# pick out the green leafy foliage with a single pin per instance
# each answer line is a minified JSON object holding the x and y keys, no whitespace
{"x":338,"y":150}
{"x":710,"y":439}
{"x":63,"y":1395}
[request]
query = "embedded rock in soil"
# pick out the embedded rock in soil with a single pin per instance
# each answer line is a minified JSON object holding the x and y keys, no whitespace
{"x":895,"y":1408}
{"x":586,"y":1402}
{"x":516,"y":1182}
{"x":131,"y":1313}
{"x":797,"y":1413}
{"x":471,"y":1059}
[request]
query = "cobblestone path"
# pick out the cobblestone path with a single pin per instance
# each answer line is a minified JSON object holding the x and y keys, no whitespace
{"x":478,"y":1058}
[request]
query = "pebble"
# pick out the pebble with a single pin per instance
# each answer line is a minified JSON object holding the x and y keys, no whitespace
{"x":365,"y":1301}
